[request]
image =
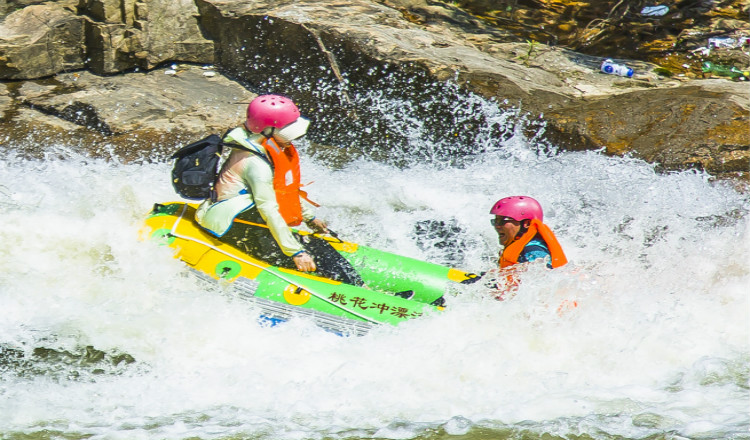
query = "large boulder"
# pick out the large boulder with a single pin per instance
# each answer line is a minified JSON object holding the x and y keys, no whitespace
{"x":122,"y":34}
{"x":130,"y":116}
{"x":678,"y":123}
{"x":41,"y":40}
{"x":105,"y":36}
{"x":328,"y":55}
{"x":703,"y":125}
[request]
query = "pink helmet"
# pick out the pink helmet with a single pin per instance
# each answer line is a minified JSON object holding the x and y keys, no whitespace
{"x":518,"y":208}
{"x":270,"y":111}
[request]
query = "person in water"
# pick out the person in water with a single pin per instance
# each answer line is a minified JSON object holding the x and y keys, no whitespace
{"x":259,"y":194}
{"x":518,"y":221}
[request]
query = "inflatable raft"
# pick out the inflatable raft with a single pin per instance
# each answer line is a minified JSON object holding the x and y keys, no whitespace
{"x":397,"y":288}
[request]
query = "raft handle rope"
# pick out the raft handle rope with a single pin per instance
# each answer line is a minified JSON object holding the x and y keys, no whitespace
{"x":174,"y":233}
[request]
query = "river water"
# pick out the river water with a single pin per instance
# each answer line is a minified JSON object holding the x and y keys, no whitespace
{"x":104,"y":336}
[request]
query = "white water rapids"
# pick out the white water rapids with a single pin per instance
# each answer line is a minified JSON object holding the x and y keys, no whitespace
{"x":657,"y":347}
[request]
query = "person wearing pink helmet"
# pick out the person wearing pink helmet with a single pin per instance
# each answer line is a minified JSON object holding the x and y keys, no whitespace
{"x":519,"y":225}
{"x":525,"y":238}
{"x":259,"y":195}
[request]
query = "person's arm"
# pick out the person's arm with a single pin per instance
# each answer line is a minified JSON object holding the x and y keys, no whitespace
{"x":311,"y":220}
{"x":504,"y":282}
{"x":259,"y":177}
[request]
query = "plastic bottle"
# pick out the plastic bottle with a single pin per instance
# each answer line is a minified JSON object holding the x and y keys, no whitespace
{"x":610,"y":67}
{"x":729,"y":71}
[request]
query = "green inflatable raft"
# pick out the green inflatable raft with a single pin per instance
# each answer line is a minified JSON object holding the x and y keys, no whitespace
{"x":397,"y":288}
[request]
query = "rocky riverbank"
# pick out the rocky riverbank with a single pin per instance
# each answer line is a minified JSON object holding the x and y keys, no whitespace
{"x":128,"y":76}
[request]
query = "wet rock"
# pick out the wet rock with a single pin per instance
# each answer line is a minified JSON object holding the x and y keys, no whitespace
{"x":41,"y":40}
{"x":123,"y":34}
{"x":541,"y":55}
{"x":712,"y":113}
{"x":648,"y":116}
{"x":124,"y":115}
{"x":618,"y":29}
{"x":105,"y":36}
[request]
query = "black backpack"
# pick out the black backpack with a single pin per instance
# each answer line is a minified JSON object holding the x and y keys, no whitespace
{"x":195,"y":170}
{"x":197,"y":166}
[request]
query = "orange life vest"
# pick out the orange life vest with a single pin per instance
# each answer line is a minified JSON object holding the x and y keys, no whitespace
{"x":286,"y":180}
{"x":511,"y":252}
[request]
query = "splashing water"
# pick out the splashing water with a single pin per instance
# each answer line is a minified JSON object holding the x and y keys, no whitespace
{"x":106,"y":336}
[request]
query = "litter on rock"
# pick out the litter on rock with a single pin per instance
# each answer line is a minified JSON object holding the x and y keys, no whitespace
{"x":655,"y":11}
{"x":610,"y":67}
{"x":705,"y":51}
{"x":727,"y":71}
{"x":722,"y":42}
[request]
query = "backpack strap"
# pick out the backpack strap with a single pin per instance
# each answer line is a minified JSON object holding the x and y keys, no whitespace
{"x":244,"y":148}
